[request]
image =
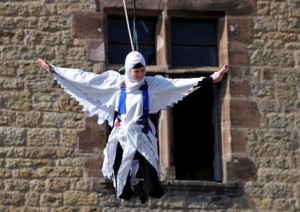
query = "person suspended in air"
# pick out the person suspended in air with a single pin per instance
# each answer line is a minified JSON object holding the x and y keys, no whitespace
{"x":131,"y":157}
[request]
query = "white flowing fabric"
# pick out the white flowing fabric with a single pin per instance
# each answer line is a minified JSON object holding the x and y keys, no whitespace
{"x":99,"y":95}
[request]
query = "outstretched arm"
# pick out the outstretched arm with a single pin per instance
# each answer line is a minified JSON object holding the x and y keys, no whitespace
{"x":45,"y":65}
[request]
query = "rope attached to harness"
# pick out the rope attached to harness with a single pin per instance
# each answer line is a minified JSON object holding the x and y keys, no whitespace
{"x":128,"y":26}
{"x":135,"y":36}
{"x":133,"y":40}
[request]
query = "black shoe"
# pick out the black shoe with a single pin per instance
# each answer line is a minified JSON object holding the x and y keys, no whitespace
{"x":140,"y":192}
{"x":158,"y":192}
{"x":143,"y":197}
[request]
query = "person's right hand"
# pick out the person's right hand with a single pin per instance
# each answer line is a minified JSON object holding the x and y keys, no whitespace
{"x":218,"y":76}
{"x":45,"y":65}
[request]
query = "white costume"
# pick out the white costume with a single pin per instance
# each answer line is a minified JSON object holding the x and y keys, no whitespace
{"x":99,"y":95}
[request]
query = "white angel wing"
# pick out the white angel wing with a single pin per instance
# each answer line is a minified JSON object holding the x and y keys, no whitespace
{"x":165,"y":92}
{"x":95,"y":92}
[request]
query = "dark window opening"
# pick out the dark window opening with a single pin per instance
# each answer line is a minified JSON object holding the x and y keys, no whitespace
{"x":119,"y":42}
{"x":196,"y":136}
{"x":193,"y":43}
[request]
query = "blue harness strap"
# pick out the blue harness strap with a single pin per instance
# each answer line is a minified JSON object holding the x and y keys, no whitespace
{"x":122,"y":102}
{"x":145,"y":115}
{"x":143,"y":120}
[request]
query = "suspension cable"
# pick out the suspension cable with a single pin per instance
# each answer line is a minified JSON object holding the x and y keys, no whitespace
{"x":135,"y":37}
{"x":128,"y":26}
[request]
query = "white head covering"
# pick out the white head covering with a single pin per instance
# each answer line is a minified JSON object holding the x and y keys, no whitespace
{"x":131,"y":60}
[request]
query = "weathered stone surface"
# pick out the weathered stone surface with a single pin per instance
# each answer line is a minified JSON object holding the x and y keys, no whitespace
{"x":87,"y":25}
{"x":60,"y":172}
{"x":93,"y":137}
{"x":57,"y":184}
{"x":48,"y":137}
{"x":238,"y":54}
{"x":148,"y":5}
{"x":241,"y":29}
{"x":96,"y":50}
{"x":239,"y":88}
{"x":245,"y":115}
{"x":51,"y":154}
{"x":80,"y":198}
{"x":93,"y":166}
{"x":51,"y":199}
{"x":32,"y":198}
{"x":11,"y":137}
{"x":241,"y":169}
{"x":239,"y":147}
{"x":13,"y":198}
{"x":16,"y":184}
{"x":229,"y":6}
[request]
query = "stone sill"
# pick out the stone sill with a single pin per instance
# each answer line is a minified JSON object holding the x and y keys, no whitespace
{"x":185,"y":187}
{"x":180,"y":187}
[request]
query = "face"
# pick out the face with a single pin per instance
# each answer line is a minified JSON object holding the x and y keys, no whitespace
{"x":138,"y":74}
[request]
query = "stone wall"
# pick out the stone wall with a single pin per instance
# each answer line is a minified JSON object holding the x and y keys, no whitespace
{"x":49,"y":162}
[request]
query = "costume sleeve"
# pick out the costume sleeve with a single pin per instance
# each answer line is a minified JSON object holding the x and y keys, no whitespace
{"x":165,"y":92}
{"x":206,"y":81}
{"x":95,"y":92}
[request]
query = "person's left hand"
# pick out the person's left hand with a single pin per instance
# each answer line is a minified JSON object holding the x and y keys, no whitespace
{"x":218,"y":76}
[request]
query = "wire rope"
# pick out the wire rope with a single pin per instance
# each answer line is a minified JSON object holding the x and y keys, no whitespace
{"x":128,"y":25}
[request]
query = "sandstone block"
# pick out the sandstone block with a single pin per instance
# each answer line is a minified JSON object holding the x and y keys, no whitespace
{"x":32,"y":198}
{"x":263,"y":8}
{"x":93,"y":137}
{"x":57,"y":184}
{"x":42,"y":102}
{"x":239,"y":146}
{"x":65,"y":209}
{"x":60,"y":172}
{"x":11,"y":84}
{"x":16,"y":184}
{"x":15,"y":100}
{"x":66,"y":152}
{"x":149,"y":5}
{"x":25,"y":173}
{"x":37,"y":185}
{"x":92,"y":166}
{"x":238,"y":53}
{"x":95,"y":50}
{"x":13,"y":137}
{"x":264,"y":204}
{"x":239,"y":88}
{"x":43,"y":137}
{"x":278,"y":190}
{"x":245,"y":114}
{"x":5,"y":173}
{"x":69,"y":162}
{"x":41,"y":152}
{"x":68,"y":138}
{"x":28,"y":119}
{"x":87,"y":25}
{"x":80,"y":184}
{"x":240,"y":28}
{"x":80,"y":198}
{"x":11,"y":198}
{"x":51,"y":199}
{"x":231,"y":7}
